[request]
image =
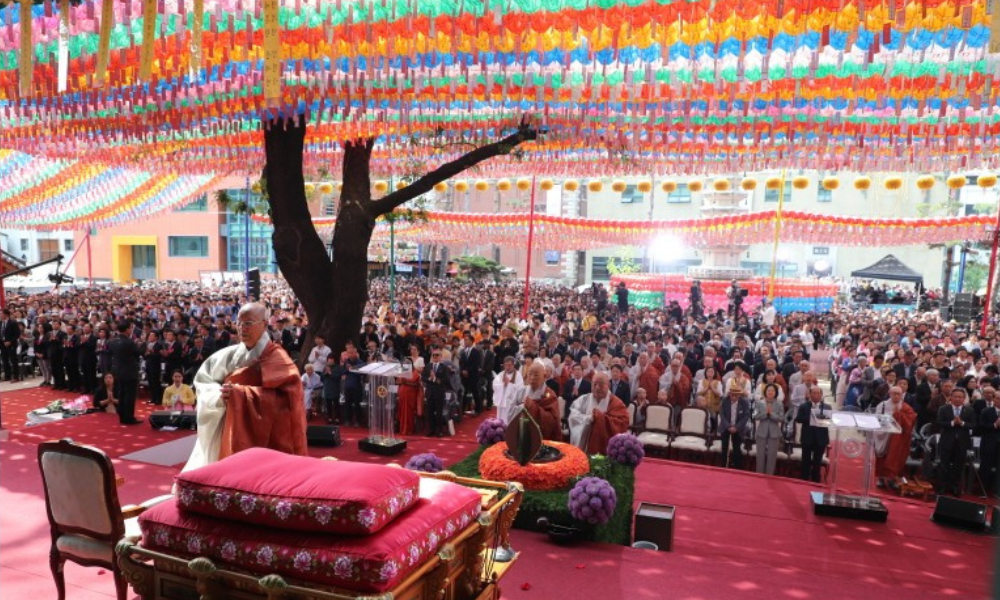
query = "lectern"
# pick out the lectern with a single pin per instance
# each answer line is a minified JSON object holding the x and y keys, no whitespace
{"x":834,"y":504}
{"x":381,"y":384}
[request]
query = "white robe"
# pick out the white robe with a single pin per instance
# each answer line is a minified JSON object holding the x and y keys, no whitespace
{"x":504,"y":396}
{"x":211,"y":410}
{"x":581,"y":418}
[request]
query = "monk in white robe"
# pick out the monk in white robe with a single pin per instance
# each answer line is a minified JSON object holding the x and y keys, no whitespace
{"x":507,"y":385}
{"x":595,"y":417}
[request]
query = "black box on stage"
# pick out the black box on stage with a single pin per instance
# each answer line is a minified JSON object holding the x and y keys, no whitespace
{"x":323,"y":435}
{"x":961,"y":514}
{"x":187,"y":419}
{"x":655,"y":523}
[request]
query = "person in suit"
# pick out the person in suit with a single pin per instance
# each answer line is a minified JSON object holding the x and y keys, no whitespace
{"x":88,"y":358}
{"x":152,"y":354}
{"x":907,"y":368}
{"x":55,"y":349}
{"x":71,"y":359}
{"x":923,"y":391}
{"x":989,"y":447}
{"x":470,"y":360}
{"x":575,"y":387}
{"x":486,"y":371}
{"x":10,"y":332}
{"x":734,"y":414}
{"x":437,"y":382}
{"x":619,"y":385}
{"x":125,"y":367}
{"x":769,"y":416}
{"x":173,"y":355}
{"x":814,"y":440}
{"x":955,"y":421}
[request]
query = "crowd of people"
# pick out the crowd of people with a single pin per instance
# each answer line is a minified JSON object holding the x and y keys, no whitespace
{"x":583,"y":367}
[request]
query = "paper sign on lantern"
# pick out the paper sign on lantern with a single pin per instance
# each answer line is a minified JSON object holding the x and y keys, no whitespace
{"x":148,"y":35}
{"x":199,"y":15}
{"x":25,"y":64}
{"x":272,"y":53}
{"x":63,"y":44}
{"x":104,"y":42}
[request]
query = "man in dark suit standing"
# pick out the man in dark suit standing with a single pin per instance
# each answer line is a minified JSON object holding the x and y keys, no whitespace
{"x":923,"y":391}
{"x":437,"y":378}
{"x":71,"y":359}
{"x":574,"y":387}
{"x":619,"y":385}
{"x":470,"y":361}
{"x":956,"y":422}
{"x":10,"y":332}
{"x":125,"y":367}
{"x":814,"y":440}
{"x":486,"y":370}
{"x":989,"y":448}
{"x":88,"y":359}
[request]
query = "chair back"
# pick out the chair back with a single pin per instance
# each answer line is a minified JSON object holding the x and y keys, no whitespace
{"x":797,"y":440}
{"x":659,"y":417}
{"x":631,"y":414}
{"x":80,"y":492}
{"x":562,"y":407}
{"x":694,"y":421}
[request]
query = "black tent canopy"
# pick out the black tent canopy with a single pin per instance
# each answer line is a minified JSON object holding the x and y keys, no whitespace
{"x":890,"y":268}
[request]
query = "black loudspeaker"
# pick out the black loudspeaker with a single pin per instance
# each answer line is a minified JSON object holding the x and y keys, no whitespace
{"x":253,"y":283}
{"x":323,"y":435}
{"x":174,"y":418}
{"x":961,"y":514}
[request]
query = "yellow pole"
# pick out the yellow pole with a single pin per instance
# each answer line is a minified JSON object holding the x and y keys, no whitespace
{"x":777,"y":237}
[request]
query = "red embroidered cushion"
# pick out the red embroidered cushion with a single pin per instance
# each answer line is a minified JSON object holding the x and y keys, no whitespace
{"x":279,"y":490}
{"x":372,"y":564}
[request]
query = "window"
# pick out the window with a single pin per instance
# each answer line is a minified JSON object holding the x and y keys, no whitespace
{"x":825,"y":195}
{"x":199,"y":205}
{"x":188,"y":246}
{"x":24,"y":245}
{"x":821,"y":250}
{"x":772,"y":195}
{"x":631,"y":195}
{"x":552,"y":257}
{"x":599,"y":268}
{"x":67,"y":245}
{"x":48,"y":249}
{"x":682,"y":195}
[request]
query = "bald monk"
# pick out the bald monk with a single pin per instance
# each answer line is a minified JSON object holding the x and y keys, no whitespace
{"x":541,"y":403}
{"x":646,"y":376}
{"x":249,"y":395}
{"x":595,"y":417}
{"x":677,"y":383}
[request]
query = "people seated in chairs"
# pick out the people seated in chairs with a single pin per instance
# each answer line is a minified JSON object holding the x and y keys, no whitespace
{"x":769,"y":416}
{"x":178,"y":395}
{"x":734,"y":415}
{"x":814,"y":440}
{"x":105,"y":399}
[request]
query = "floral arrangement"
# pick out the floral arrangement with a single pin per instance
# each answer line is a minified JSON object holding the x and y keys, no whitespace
{"x":592,"y":500}
{"x":496,"y":466}
{"x":490,"y":432}
{"x":79,"y":404}
{"x":55,"y":406}
{"x":626,"y":449}
{"x":427,"y":462}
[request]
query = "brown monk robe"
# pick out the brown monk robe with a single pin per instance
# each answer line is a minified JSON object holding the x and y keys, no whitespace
{"x":596,"y":417}
{"x":266,"y":407}
{"x":892,"y":463}
{"x":649,"y":377}
{"x":544,"y":410}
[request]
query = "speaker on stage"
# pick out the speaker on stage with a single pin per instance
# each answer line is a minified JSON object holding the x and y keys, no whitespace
{"x":961,"y":514}
{"x":174,"y":418}
{"x":323,"y":435}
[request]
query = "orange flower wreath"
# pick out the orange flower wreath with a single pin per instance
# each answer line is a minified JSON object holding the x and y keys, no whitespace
{"x":493,"y":465}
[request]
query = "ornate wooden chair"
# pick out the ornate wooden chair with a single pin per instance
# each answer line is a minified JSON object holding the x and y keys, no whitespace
{"x":85,"y":516}
{"x":656,"y":434}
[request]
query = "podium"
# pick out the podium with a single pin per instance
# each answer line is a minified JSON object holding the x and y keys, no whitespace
{"x":833,"y":504}
{"x":381,"y":385}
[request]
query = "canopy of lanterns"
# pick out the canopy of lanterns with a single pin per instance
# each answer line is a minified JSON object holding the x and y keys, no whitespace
{"x":656,"y":290}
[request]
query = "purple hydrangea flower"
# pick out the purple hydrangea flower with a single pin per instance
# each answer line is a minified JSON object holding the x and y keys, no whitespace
{"x":490,"y":432}
{"x":626,"y":449}
{"x":427,"y":462}
{"x":592,"y":500}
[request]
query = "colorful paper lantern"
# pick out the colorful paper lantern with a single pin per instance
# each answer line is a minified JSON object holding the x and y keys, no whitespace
{"x":863,"y":183}
{"x":441,"y":187}
{"x":595,"y":185}
{"x":461,"y":186}
{"x":721,"y":185}
{"x":831,"y":183}
{"x":503,"y":185}
{"x":571,"y":185}
{"x":339,"y":186}
{"x":644,"y":187}
{"x":695,"y":185}
{"x":893,"y":183}
{"x":546,"y":184}
{"x":380,"y":186}
{"x":669,"y":186}
{"x":326,"y":188}
{"x":618,"y":186}
{"x":957,"y":182}
{"x":482,"y":185}
{"x":773,"y":183}
{"x":749,"y":184}
{"x":401,"y":184}
{"x":987,"y":181}
{"x":255,"y":188}
{"x":800,"y":183}
{"x":523,"y":184}
{"x":310,"y":189}
{"x":925,"y":182}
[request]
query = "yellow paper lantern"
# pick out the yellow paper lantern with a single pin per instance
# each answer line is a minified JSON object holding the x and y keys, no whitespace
{"x":380,"y":187}
{"x":925,"y":182}
{"x":401,"y":184}
{"x":339,"y":186}
{"x":773,"y":183}
{"x":800,"y":182}
{"x":310,"y":189}
{"x":644,"y":187}
{"x":481,"y":185}
{"x":595,"y":185}
{"x":461,"y":185}
{"x":831,"y":183}
{"x":987,"y":181}
{"x":695,"y":185}
{"x":523,"y":184}
{"x":255,"y":188}
{"x":669,"y":186}
{"x":957,"y":182}
{"x":893,"y":183}
{"x":571,"y":185}
{"x":326,"y":188}
{"x":749,"y":184}
{"x":862,"y":183}
{"x":440,"y":187}
{"x":503,"y":185}
{"x":619,"y":186}
{"x":546,"y":184}
{"x":721,"y":185}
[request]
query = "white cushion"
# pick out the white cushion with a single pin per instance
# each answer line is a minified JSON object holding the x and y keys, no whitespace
{"x":716,"y":446}
{"x":796,"y":454}
{"x":658,"y":417}
{"x":85,"y":547}
{"x":651,"y":438}
{"x":686,"y":442}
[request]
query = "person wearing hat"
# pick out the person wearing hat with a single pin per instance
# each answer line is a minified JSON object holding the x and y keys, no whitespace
{"x":734,"y":414}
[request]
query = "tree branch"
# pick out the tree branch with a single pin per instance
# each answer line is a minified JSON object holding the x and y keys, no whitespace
{"x":525,"y":132}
